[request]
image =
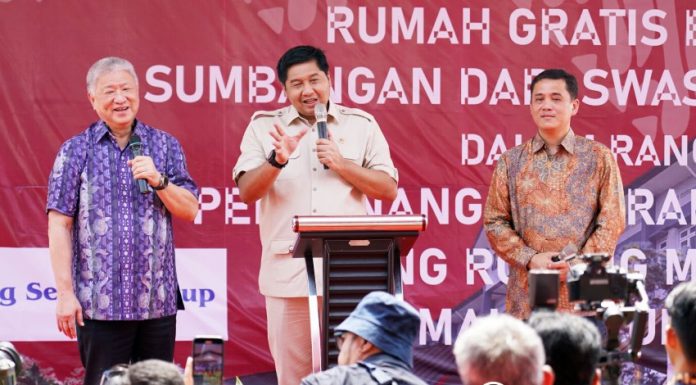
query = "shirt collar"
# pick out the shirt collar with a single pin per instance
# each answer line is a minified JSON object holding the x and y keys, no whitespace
{"x":334,"y":112}
{"x":102,"y":129}
{"x":382,"y":357}
{"x":290,"y":115}
{"x":568,"y":142}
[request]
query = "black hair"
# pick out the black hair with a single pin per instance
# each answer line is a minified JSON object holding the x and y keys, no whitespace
{"x":681,"y":306}
{"x":572,"y":345}
{"x":570,"y":80}
{"x":298,"y":55}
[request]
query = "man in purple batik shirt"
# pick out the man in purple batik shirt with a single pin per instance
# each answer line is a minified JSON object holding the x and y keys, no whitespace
{"x":111,"y":245}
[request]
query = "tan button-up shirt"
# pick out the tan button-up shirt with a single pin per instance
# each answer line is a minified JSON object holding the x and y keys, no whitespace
{"x":539,"y":202}
{"x":304,"y":187}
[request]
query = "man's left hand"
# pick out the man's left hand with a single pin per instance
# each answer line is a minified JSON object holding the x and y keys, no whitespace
{"x":143,"y":167}
{"x":562,"y":267}
{"x":329,"y":154}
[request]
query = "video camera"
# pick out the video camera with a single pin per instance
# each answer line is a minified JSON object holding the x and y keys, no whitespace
{"x":10,"y":364}
{"x":607,"y":293}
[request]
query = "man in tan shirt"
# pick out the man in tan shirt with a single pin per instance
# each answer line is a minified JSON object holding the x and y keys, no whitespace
{"x":555,"y":190}
{"x":282,"y":164}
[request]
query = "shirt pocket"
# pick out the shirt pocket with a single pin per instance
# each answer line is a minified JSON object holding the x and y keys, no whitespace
{"x":282,"y":246}
{"x":351,"y":149}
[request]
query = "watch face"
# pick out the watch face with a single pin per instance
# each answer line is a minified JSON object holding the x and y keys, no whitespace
{"x":164,"y":181}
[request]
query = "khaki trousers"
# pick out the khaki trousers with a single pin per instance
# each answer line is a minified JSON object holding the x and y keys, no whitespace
{"x":289,"y":337}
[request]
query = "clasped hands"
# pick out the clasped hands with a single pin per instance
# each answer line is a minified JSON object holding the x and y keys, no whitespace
{"x":544,"y":261}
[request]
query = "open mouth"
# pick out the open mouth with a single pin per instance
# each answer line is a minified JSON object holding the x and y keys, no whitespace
{"x":310,"y":102}
{"x":121,"y":109}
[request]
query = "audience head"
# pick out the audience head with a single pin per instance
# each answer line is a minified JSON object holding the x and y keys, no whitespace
{"x":501,"y":348}
{"x":681,"y":333}
{"x":572,"y":345}
{"x":380,"y":323}
{"x":154,"y":372}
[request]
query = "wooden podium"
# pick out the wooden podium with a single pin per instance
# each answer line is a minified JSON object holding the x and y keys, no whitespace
{"x":360,"y":254}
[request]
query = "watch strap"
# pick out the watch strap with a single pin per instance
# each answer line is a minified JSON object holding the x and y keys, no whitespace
{"x":272,"y":160}
{"x":163,"y":183}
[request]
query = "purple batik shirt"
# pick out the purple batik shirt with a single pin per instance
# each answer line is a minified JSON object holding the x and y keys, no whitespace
{"x":123,"y":246}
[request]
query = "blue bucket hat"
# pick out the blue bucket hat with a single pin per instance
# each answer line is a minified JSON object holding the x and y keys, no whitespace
{"x":386,"y":322}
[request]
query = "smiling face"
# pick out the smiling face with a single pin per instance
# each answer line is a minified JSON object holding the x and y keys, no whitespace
{"x":116,"y":99}
{"x":552,"y":106}
{"x":306,"y":86}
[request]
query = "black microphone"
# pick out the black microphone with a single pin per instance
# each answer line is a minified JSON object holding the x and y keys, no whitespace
{"x":568,"y":253}
{"x":137,"y":150}
{"x":320,"y":114}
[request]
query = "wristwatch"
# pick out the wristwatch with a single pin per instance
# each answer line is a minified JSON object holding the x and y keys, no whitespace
{"x":272,"y":160}
{"x":163,"y":183}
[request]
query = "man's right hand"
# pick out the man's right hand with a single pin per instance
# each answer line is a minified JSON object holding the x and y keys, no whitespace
{"x":541,"y":260}
{"x":284,"y":143}
{"x":68,"y":310}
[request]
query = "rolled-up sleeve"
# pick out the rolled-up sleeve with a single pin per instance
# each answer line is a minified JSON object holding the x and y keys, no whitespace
{"x":252,"y":154}
{"x":377,"y":155}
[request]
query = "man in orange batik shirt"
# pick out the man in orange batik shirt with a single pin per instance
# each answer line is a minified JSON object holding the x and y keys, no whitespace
{"x":556,"y":191}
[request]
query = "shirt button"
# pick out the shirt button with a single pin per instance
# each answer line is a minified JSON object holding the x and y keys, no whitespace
{"x":314,"y":129}
{"x":314,"y":150}
{"x":314,"y":169}
{"x":314,"y":189}
{"x":314,"y":210}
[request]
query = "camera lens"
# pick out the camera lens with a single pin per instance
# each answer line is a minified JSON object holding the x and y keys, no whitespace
{"x":10,"y":364}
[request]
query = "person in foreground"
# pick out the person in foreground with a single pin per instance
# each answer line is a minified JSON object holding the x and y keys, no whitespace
{"x":501,"y":349}
{"x":681,"y":333}
{"x":572,"y":345}
{"x":154,"y":372}
{"x":375,"y":345}
{"x":110,"y":206}
{"x":291,"y":170}
{"x":558,"y":192}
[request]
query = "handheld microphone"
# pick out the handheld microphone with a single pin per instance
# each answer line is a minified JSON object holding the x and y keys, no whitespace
{"x":137,"y":150}
{"x":321,"y":114}
{"x":568,"y":253}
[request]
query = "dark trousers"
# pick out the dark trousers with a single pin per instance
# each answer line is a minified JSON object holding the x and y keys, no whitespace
{"x":104,"y":344}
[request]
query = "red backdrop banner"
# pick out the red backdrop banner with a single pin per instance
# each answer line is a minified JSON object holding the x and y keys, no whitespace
{"x":448,"y":84}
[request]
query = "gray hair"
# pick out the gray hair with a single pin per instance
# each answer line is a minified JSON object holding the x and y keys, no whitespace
{"x":154,"y":372}
{"x":106,"y":65}
{"x":499,"y":348}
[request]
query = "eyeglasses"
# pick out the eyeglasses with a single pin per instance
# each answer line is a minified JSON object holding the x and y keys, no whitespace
{"x":116,"y":375}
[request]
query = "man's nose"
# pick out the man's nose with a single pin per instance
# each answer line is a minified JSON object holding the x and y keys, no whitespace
{"x":119,"y":97}
{"x":307,"y":89}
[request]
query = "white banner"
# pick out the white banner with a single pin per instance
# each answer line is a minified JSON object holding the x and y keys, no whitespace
{"x":28,"y":295}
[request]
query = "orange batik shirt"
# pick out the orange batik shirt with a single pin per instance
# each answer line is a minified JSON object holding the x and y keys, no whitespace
{"x":539,"y":202}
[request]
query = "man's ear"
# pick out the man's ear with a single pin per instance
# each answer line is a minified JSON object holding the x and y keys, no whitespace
{"x":549,"y":377}
{"x":91,"y":99}
{"x":365,"y":345}
{"x":597,"y":378}
{"x":672,"y":340}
